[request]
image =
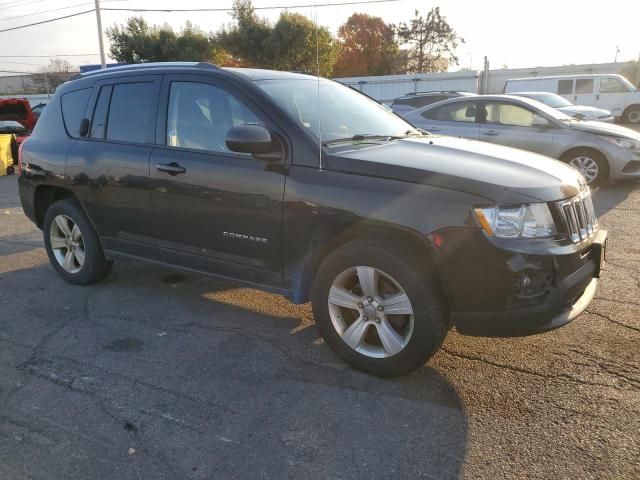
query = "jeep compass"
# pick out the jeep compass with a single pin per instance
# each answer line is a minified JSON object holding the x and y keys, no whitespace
{"x":303,"y":186}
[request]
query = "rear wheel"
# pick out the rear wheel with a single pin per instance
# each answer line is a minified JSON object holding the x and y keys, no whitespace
{"x":72,"y":245}
{"x":379,"y":310}
{"x":632,"y":115}
{"x":590,"y":163}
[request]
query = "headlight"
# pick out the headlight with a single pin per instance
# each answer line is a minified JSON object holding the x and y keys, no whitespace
{"x":627,"y":143}
{"x":520,"y":221}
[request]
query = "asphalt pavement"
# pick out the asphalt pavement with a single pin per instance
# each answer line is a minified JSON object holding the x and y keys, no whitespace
{"x":154,"y":374}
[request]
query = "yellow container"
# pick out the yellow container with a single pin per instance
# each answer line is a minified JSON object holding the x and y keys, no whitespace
{"x":6,"y":159}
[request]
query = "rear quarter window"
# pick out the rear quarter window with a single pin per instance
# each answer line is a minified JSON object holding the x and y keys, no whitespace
{"x":74,"y":105}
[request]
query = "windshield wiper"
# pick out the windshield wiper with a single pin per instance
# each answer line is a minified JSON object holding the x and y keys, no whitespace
{"x":360,"y":137}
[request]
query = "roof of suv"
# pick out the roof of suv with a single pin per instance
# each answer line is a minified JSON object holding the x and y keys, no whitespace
{"x":249,"y":73}
{"x":450,"y":93}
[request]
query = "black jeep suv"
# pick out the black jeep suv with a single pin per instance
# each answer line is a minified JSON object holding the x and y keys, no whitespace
{"x":303,"y":186}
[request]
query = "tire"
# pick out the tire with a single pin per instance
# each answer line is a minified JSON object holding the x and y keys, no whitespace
{"x":422,"y":333}
{"x":588,"y":157}
{"x":78,"y":259}
{"x":632,"y":115}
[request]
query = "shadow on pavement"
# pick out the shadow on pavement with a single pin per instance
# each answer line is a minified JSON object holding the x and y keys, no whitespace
{"x":202,"y":379}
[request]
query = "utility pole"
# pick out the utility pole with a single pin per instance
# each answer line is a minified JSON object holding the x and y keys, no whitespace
{"x":103,"y":61}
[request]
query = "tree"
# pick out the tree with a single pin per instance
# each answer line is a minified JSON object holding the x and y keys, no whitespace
{"x":296,"y":44}
{"x":368,"y":46}
{"x":51,"y":76}
{"x":137,"y":42}
{"x":246,"y":40}
{"x":290,"y":44}
{"x":432,"y":42}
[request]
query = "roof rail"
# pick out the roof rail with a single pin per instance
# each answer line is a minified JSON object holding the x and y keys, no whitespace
{"x":148,"y":65}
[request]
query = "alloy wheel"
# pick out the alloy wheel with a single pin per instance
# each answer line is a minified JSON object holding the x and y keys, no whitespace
{"x":587,"y":166}
{"x":371,"y":312}
{"x":67,"y":243}
{"x":634,"y":116}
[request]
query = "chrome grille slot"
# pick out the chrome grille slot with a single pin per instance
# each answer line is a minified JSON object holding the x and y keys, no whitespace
{"x":578,"y":216}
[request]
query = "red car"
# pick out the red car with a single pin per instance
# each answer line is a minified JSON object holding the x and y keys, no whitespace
{"x":18,"y":110}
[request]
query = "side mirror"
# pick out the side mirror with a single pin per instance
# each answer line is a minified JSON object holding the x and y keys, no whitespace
{"x":539,"y":122}
{"x":84,"y":127}
{"x":253,"y":139}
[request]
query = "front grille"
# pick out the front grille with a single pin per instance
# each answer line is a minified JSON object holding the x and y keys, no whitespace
{"x":578,"y":216}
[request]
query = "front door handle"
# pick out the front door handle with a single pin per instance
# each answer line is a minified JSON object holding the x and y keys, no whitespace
{"x":171,"y":168}
{"x":491,"y":132}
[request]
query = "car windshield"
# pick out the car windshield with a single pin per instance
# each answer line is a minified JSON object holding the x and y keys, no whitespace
{"x":339,"y":113}
{"x":551,"y":112}
{"x":550,"y":99}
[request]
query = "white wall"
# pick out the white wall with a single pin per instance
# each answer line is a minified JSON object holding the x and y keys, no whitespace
{"x":387,"y":87}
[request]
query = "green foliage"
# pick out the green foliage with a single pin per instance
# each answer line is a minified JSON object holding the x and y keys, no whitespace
{"x":290,"y":44}
{"x":367,"y":45}
{"x":137,"y":42}
{"x":247,"y":38}
{"x":295,"y":44}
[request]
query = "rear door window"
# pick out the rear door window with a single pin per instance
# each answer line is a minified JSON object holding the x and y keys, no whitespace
{"x":453,"y":112}
{"x":508,"y":114}
{"x":132,"y":112}
{"x":74,"y":105}
{"x":584,"y":85}
{"x":565,"y":87}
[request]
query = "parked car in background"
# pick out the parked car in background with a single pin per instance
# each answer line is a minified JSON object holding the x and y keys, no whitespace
{"x":581,"y":112}
{"x":411,"y":101}
{"x":303,"y":186}
{"x":608,"y":92}
{"x":598,"y":150}
{"x":37,"y":109}
{"x":17,"y":110}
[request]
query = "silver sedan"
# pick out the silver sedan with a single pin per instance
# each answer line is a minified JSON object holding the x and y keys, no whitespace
{"x":599,"y":150}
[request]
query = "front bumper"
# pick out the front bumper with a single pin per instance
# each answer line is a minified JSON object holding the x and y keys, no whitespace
{"x":623,"y":163}
{"x":491,"y":304}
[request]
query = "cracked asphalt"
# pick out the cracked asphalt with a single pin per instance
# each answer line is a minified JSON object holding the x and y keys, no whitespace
{"x":157,"y":374}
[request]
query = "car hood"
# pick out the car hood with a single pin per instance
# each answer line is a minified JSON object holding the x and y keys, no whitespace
{"x":585,"y":110}
{"x":499,"y":174}
{"x":600,"y":128}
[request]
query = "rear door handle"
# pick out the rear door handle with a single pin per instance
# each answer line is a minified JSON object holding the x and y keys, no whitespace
{"x":491,"y":132}
{"x":432,"y":129}
{"x":171,"y":168}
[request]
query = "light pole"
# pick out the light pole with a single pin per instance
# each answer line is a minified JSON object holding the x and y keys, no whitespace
{"x":103,"y":61}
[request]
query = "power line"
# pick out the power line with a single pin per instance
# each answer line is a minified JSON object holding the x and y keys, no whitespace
{"x":52,"y":55}
{"x":355,"y":2}
{"x":279,"y":7}
{"x":22,"y":63}
{"x":15,"y":4}
{"x":44,"y":11}
{"x":47,"y":21}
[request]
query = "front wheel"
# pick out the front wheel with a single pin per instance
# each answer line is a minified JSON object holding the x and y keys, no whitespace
{"x":591,"y":164}
{"x":72,"y":244}
{"x":632,"y":115}
{"x":380,"y":310}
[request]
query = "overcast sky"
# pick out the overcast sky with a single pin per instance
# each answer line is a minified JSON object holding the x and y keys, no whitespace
{"x":513,"y":33}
